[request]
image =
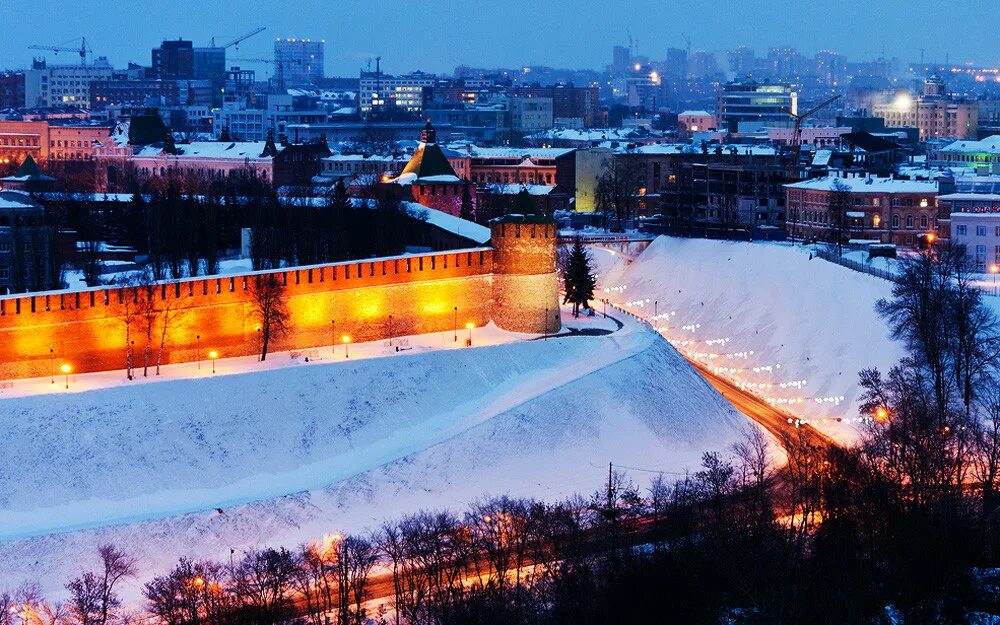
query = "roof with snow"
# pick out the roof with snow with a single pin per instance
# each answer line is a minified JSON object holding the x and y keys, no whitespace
{"x":990,"y":145}
{"x":520,"y":153}
{"x":867,"y":185}
{"x":698,"y":113}
{"x":428,"y":163}
{"x":252,"y":150}
{"x":29,"y":171}
{"x":456,"y":225}
{"x":14,"y":200}
{"x":514,"y":189}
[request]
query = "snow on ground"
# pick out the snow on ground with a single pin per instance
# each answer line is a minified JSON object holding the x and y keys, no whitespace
{"x":290,"y":453}
{"x":794,"y":329}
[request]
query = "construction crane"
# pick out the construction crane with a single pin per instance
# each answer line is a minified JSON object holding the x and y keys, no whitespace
{"x":279,"y":70}
{"x":797,"y":129}
{"x":236,"y":42}
{"x":83,"y":50}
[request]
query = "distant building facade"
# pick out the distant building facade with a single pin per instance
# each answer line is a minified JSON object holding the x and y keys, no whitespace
{"x":885,"y":209}
{"x":299,"y":61}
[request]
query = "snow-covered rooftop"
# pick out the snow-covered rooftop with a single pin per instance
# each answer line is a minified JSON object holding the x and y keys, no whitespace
{"x":989,"y":145}
{"x":456,"y":225}
{"x":697,"y":113}
{"x":212,"y":149}
{"x":501,"y":152}
{"x":867,"y":185}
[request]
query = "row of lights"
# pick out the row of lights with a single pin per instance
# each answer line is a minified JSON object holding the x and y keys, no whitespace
{"x":744,"y":355}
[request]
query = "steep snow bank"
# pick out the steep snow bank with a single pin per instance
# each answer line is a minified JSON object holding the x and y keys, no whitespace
{"x":793,"y":329}
{"x":356,"y":442}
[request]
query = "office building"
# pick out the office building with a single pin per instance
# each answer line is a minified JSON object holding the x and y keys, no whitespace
{"x":298,"y":61}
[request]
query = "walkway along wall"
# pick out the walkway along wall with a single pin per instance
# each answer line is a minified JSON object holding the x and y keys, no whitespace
{"x":87,"y":328}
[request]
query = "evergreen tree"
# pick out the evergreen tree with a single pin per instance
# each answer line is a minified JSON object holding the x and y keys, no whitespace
{"x":579,"y":278}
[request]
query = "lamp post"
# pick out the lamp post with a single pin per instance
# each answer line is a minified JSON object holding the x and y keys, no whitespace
{"x":469,"y":326}
{"x":52,"y":365}
{"x":333,"y":337}
{"x":213,"y":355}
{"x":347,"y":346}
{"x":390,"y":330}
{"x":197,"y":338}
{"x":66,"y":369}
{"x":455,"y":323}
{"x":994,"y":269}
{"x":546,"y":334}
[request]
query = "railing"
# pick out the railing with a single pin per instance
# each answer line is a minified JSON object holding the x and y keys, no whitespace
{"x":855,"y":265}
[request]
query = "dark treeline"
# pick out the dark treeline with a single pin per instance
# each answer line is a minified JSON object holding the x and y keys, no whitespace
{"x":183,"y":227}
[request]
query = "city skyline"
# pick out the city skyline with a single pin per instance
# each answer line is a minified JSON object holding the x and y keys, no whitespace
{"x":551,"y":37}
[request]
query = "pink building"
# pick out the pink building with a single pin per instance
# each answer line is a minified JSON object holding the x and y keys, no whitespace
{"x":696,"y":121}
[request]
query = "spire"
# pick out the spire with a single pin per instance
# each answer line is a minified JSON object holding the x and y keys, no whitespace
{"x":429,"y":135}
{"x":269,"y":148}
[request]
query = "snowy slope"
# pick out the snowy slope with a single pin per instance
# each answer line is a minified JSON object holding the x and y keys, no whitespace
{"x":355,"y":442}
{"x":804,"y":320}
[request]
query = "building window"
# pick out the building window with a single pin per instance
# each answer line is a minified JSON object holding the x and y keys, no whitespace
{"x":895,"y":221}
{"x":923,"y":221}
{"x":909,"y":221}
{"x":961,"y":231}
{"x":980,"y":231}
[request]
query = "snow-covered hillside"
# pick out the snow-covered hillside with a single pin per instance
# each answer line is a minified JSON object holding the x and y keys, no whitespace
{"x":293,"y":453}
{"x":792,"y":328}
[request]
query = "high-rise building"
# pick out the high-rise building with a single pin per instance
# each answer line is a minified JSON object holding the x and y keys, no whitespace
{"x":63,"y":85}
{"x":741,"y":62}
{"x":758,"y":104}
{"x":384,"y":91}
{"x":935,"y":113}
{"x":173,"y":60}
{"x":831,"y":68}
{"x":298,"y":61}
{"x":11,"y":89}
{"x":621,"y":58}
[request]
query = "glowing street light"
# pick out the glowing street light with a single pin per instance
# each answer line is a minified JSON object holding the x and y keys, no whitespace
{"x":213,"y":356}
{"x":994,"y":269}
{"x":469,"y":326}
{"x":347,"y":345}
{"x":66,"y":369}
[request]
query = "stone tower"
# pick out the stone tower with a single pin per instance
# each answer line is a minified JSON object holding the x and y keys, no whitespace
{"x":525,"y":285}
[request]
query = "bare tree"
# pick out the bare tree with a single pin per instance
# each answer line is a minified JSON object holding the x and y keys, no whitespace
{"x":267,"y":295}
{"x":130,"y":312}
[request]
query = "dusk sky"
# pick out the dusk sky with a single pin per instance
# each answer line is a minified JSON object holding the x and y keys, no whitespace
{"x":437,"y":35}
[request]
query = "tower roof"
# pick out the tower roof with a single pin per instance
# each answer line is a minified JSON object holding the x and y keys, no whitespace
{"x":523,"y":210}
{"x":428,"y":159}
{"x":29,"y":171}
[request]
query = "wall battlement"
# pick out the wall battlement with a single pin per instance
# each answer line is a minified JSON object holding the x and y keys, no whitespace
{"x":513,"y":283}
{"x":87,"y":328}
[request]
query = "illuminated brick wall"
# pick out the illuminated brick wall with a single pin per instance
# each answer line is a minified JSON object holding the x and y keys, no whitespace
{"x":525,"y":285}
{"x":87,"y":329}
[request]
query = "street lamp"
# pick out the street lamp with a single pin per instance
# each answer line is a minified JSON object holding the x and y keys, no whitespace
{"x":52,"y":365}
{"x":66,"y":369}
{"x":390,"y":330}
{"x":213,"y":355}
{"x":198,"y":339}
{"x":546,"y":335}
{"x":994,"y":269}
{"x":469,"y":326}
{"x":333,"y":337}
{"x":455,"y":323}
{"x":347,"y":345}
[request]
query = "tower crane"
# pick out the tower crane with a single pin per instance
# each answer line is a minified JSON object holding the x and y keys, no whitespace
{"x":83,"y":50}
{"x":797,"y":128}
{"x":236,"y":42}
